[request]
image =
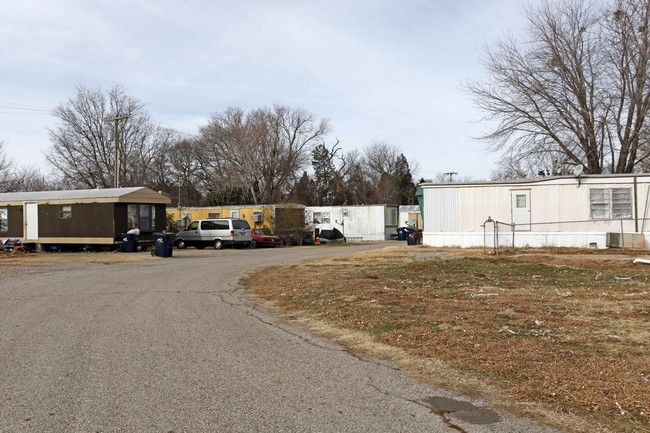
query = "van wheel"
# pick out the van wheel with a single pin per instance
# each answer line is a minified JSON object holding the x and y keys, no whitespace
{"x":218,"y":244}
{"x":252,"y":244}
{"x":181,"y":244}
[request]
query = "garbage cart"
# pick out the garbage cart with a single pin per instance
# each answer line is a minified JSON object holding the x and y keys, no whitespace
{"x":164,"y":244}
{"x":129,"y":243}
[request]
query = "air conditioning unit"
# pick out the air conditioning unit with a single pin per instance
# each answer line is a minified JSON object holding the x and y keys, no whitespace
{"x":257,"y":217}
{"x":630,"y":240}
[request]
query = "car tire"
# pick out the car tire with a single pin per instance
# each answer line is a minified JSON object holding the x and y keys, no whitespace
{"x":218,"y":244}
{"x":252,"y":244}
{"x":180,"y":244}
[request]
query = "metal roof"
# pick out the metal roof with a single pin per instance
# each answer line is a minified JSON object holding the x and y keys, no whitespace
{"x":537,"y":180}
{"x":70,"y":194}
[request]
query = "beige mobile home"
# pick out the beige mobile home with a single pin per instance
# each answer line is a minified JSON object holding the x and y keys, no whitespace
{"x":588,"y":211}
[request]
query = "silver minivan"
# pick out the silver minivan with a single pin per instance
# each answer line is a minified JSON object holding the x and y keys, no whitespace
{"x":217,"y":232}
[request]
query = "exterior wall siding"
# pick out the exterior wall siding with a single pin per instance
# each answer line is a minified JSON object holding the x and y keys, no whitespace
{"x":362,"y":223}
{"x":441,"y":209}
{"x":454,"y":214}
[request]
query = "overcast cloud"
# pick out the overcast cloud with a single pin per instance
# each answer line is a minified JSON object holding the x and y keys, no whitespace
{"x":379,"y":70}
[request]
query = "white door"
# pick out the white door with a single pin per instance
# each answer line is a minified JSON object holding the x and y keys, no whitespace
{"x":234,"y":214}
{"x":30,"y":219}
{"x":521,"y":209}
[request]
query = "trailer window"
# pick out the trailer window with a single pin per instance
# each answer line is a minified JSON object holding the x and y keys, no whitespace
{"x":621,"y":203}
{"x":145,"y":217}
{"x":65,"y":211}
{"x":214,"y":214}
{"x":4,"y":223}
{"x":132,"y":216}
{"x":321,"y":217}
{"x":610,"y":203}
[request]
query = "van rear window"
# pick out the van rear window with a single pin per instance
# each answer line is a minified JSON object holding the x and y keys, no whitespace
{"x":240,"y":224}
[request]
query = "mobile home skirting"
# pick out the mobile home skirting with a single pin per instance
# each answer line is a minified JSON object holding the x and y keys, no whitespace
{"x":522,"y":239}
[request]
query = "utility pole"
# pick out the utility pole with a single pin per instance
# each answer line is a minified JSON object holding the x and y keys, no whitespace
{"x":116,"y":138}
{"x":451,"y":175}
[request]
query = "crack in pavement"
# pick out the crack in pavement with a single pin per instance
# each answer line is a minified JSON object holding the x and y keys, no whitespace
{"x":441,"y":413}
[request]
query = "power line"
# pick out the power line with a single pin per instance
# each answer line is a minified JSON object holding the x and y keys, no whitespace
{"x":42,"y":113}
{"x":25,"y":105}
{"x":16,"y":108}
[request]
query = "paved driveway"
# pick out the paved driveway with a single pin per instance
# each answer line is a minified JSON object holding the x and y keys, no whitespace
{"x":171,"y":346}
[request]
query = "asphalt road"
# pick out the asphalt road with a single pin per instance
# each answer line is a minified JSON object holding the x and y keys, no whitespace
{"x":171,"y":346}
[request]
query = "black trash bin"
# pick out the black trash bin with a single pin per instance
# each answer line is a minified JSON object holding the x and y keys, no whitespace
{"x":405,"y":232}
{"x":164,"y":244}
{"x":129,"y":243}
{"x":411,"y":240}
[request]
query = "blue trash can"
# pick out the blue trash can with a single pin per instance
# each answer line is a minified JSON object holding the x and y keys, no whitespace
{"x":129,"y":243}
{"x":411,"y":240}
{"x":163,"y":244}
{"x":401,"y":234}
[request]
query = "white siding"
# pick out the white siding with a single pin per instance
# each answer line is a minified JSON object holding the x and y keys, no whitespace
{"x":361,"y":223}
{"x":441,"y":209}
{"x":454,"y":213}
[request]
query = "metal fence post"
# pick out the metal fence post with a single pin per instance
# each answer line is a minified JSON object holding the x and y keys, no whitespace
{"x":484,"y":241}
{"x":513,"y":235}
{"x":622,"y":238}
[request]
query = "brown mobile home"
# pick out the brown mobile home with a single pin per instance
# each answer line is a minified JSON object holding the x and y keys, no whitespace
{"x":81,"y":217}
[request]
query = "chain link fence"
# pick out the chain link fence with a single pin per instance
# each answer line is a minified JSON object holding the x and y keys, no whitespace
{"x":595,"y":234}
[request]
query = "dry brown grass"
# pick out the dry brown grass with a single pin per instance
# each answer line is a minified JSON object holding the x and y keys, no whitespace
{"x":17,"y":261}
{"x":559,"y":337}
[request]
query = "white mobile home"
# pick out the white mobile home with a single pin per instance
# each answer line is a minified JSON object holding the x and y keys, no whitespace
{"x":357,"y":223}
{"x":567,"y":211}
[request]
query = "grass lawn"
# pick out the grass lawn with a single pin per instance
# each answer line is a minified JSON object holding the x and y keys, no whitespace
{"x":562,"y":337}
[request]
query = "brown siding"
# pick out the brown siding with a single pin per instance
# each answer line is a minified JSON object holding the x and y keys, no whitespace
{"x":161,"y":218}
{"x":15,"y":222}
{"x":121,"y":219}
{"x":88,"y":220}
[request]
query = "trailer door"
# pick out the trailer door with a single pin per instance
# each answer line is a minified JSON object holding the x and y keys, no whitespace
{"x":521,"y":209}
{"x":30,"y":219}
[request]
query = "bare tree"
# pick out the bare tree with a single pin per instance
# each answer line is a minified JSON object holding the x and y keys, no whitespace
{"x":9,"y":180}
{"x":82,"y":148}
{"x":184,"y":167}
{"x":264,"y":150}
{"x":541,"y":165}
{"x":33,"y":179}
{"x":576,"y":83}
{"x":380,"y":159}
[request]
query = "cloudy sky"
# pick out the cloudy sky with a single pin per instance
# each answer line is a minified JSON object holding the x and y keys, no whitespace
{"x":377,"y":69}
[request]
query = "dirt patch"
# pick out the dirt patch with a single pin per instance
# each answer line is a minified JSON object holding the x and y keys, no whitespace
{"x":561,"y":337}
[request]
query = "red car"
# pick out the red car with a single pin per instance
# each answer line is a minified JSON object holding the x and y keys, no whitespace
{"x":263,"y":239}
